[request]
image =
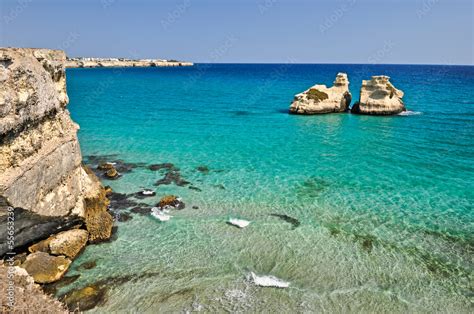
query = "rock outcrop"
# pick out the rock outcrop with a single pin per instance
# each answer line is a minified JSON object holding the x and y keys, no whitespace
{"x":45,"y":268}
{"x":321,"y":99}
{"x":28,"y":296}
{"x":379,"y":97}
{"x":43,"y":184}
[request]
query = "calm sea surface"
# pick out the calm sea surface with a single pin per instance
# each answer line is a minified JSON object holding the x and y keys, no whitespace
{"x":385,"y":204}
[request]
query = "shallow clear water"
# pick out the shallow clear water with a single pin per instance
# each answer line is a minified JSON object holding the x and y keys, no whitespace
{"x":385,"y":203}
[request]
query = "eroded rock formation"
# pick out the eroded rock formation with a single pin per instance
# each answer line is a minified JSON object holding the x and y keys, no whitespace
{"x":42,"y":181}
{"x":321,"y":99}
{"x":379,"y":97}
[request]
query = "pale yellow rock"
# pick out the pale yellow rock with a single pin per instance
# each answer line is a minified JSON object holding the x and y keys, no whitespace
{"x":68,"y":243}
{"x":40,"y":158}
{"x":321,"y":99}
{"x":45,"y":268}
{"x":379,"y":97}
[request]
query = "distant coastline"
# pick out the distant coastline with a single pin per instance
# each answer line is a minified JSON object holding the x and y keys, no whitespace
{"x":122,"y":62}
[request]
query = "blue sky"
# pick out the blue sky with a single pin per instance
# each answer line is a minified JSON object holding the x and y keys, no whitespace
{"x":341,"y":31}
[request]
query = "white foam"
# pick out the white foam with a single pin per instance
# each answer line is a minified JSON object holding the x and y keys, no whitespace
{"x":148,"y":192}
{"x":239,"y":222}
{"x":409,"y":113}
{"x":160,"y":215}
{"x":268,"y":281}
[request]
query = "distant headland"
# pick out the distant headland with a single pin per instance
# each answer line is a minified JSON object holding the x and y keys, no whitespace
{"x":122,"y":62}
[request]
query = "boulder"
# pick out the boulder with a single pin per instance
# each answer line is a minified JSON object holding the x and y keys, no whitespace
{"x":45,"y":268}
{"x":68,"y":243}
{"x":170,"y":202}
{"x":379,"y":97}
{"x":321,"y":99}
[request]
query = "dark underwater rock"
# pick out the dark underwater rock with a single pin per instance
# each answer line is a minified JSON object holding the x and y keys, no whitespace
{"x":295,"y":222}
{"x":156,"y":167}
{"x":203,"y":169}
{"x":172,"y":176}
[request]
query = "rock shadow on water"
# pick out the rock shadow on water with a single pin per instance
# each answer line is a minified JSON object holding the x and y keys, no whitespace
{"x":293,"y":221}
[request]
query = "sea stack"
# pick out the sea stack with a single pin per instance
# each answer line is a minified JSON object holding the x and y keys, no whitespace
{"x":379,"y":97}
{"x":42,"y":180}
{"x":321,"y":99}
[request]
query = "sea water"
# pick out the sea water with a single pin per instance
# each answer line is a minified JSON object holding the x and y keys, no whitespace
{"x":384,"y":204}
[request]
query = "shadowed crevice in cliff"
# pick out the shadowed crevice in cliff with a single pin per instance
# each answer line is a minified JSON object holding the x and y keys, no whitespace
{"x":29,"y":124}
{"x":30,"y":227}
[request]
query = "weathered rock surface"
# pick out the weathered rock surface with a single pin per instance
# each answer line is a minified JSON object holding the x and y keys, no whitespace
{"x":321,"y":99}
{"x":45,"y":268}
{"x":29,"y":297}
{"x":68,"y":243}
{"x":40,"y":158}
{"x":99,"y":221}
{"x":379,"y":97}
{"x":170,"y":202}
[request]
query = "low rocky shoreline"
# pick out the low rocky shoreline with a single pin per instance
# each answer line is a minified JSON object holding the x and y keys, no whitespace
{"x":122,"y":63}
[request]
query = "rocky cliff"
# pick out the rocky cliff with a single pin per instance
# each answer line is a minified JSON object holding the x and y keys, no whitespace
{"x":321,"y":99}
{"x":41,"y":174}
{"x":379,"y":97}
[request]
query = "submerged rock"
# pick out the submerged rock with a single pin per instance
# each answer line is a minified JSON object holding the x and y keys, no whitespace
{"x":87,"y":265}
{"x":45,"y":268}
{"x":295,"y":222}
{"x":379,"y":97}
{"x":170,"y":202}
{"x":321,"y":99}
{"x":203,"y":169}
{"x":85,"y":298}
{"x":172,"y":176}
{"x":156,"y":167}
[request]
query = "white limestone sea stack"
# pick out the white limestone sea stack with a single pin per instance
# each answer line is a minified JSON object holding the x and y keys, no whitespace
{"x":321,"y":99}
{"x":379,"y":97}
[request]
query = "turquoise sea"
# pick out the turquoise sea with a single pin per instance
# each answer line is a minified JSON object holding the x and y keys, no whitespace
{"x":385,"y":204}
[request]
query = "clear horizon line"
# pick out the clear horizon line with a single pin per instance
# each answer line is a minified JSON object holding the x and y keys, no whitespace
{"x":334,"y":63}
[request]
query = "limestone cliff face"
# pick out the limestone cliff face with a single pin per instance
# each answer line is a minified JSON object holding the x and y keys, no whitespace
{"x":379,"y":97}
{"x":321,"y":99}
{"x":40,"y":158}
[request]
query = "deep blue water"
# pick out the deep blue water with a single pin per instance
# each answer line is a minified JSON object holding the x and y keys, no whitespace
{"x":385,"y":203}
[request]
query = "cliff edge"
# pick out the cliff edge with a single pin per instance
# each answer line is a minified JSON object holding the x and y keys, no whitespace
{"x":43,"y":185}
